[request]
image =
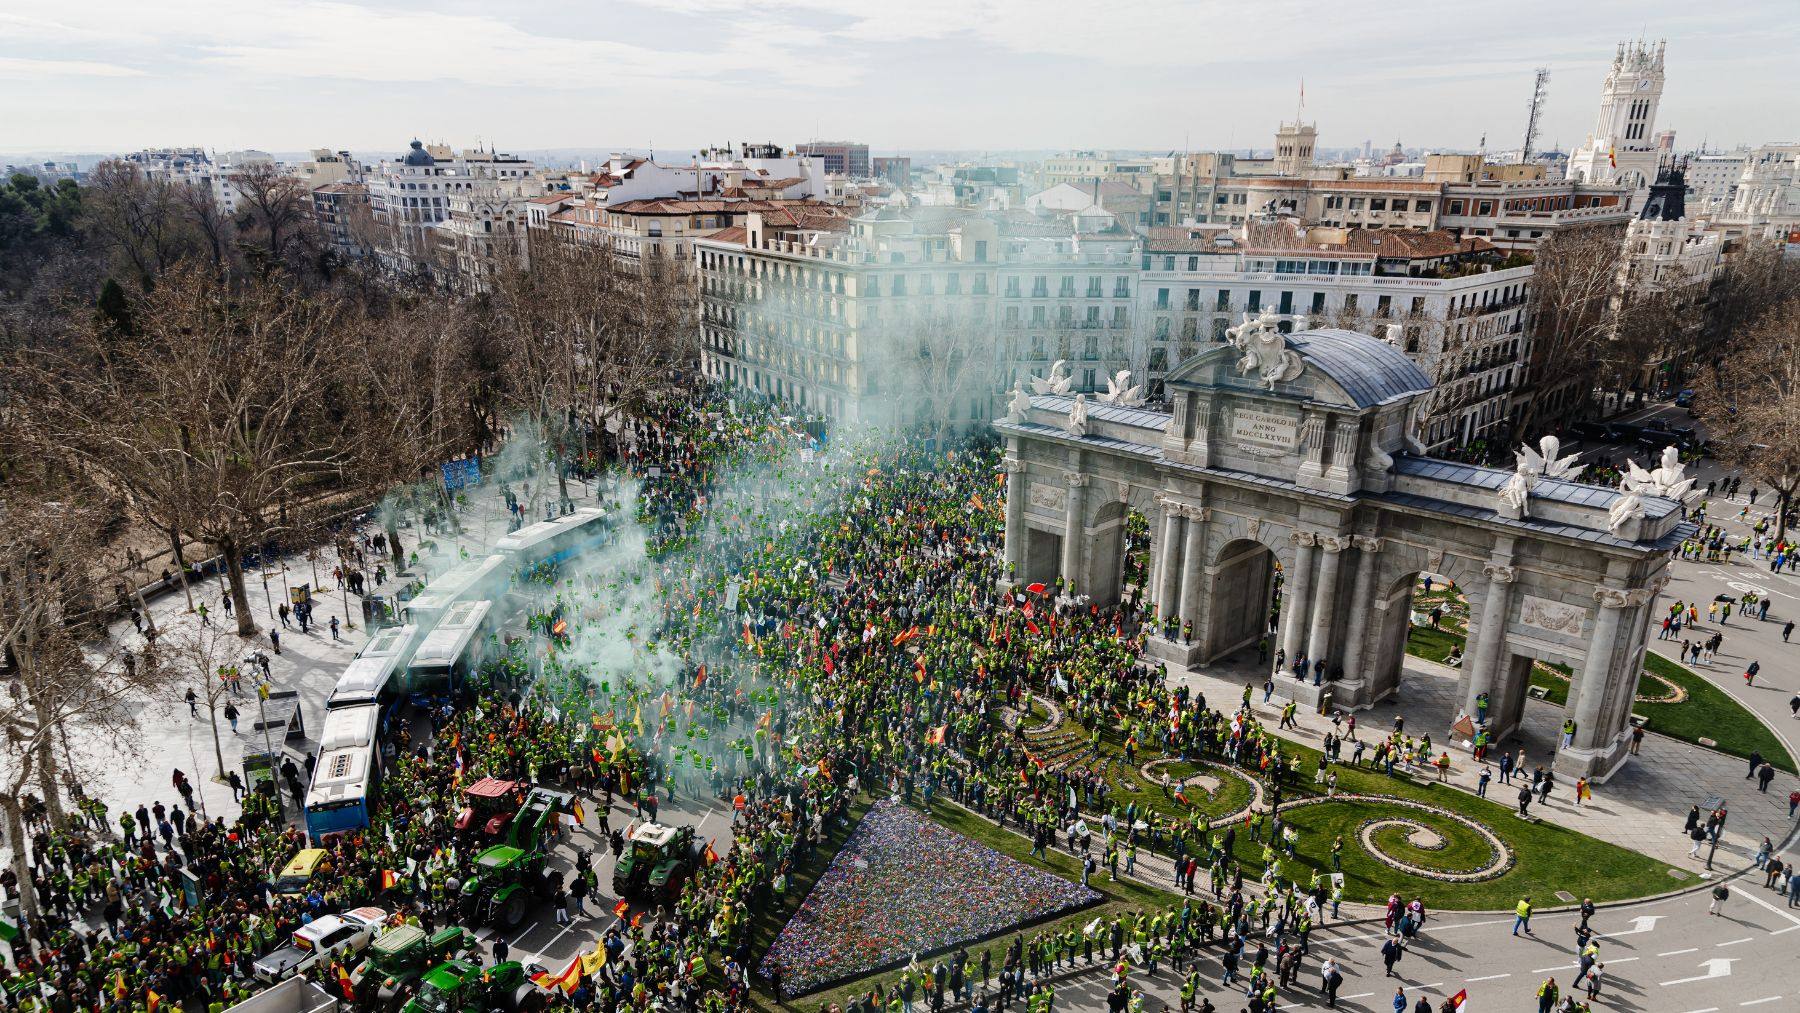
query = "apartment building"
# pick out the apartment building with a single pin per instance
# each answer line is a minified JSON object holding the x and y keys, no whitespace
{"x":838,"y":158}
{"x":410,"y":201}
{"x":1456,"y":305}
{"x":917,"y":313}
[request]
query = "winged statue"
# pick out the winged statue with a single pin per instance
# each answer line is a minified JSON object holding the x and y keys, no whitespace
{"x":1544,"y":461}
{"x":1020,"y":405}
{"x":1119,"y":392}
{"x":1058,"y":382}
{"x":1078,"y":417}
{"x":1667,"y":480}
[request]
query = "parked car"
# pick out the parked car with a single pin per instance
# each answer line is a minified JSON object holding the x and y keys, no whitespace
{"x":321,"y":939}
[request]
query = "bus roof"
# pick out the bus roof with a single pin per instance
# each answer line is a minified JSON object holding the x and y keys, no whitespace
{"x":368,"y":674}
{"x":443,"y":645}
{"x":340,"y":775}
{"x":349,"y":726}
{"x":529,"y":537}
{"x":458,"y":582}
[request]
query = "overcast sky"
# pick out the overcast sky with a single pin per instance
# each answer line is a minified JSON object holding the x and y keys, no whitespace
{"x":282,"y":75}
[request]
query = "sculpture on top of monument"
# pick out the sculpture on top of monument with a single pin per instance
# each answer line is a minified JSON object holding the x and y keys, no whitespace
{"x":1058,"y":382}
{"x":1544,"y":461}
{"x":1119,"y":391}
{"x":1078,"y":417}
{"x":1667,"y":481}
{"x":1264,"y":351}
{"x":1020,"y":403}
{"x":1625,"y":510}
{"x":1515,"y":495}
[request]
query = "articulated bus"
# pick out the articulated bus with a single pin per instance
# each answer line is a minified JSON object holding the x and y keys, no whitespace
{"x":342,"y":794}
{"x":370,"y":678}
{"x":476,"y":578}
{"x":556,"y":540}
{"x":455,"y":649}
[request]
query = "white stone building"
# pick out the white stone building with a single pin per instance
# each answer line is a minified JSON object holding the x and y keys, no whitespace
{"x":1456,"y":306}
{"x":1622,"y":148}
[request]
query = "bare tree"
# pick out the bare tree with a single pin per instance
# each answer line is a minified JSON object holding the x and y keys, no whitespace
{"x":1573,"y":285}
{"x":1751,"y":403}
{"x":592,"y":340}
{"x":275,"y":207}
{"x":938,"y":366}
{"x":214,"y":227}
{"x":204,"y":655}
{"x":234,"y":416}
{"x":141,"y":219}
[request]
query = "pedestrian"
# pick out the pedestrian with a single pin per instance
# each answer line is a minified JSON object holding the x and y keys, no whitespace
{"x":1719,"y":894}
{"x":236,"y":783}
{"x":334,"y":628}
{"x":1593,"y":981}
{"x":193,"y":702}
{"x":231,"y":715}
{"x":275,"y":637}
{"x":1522,"y":916}
{"x":1391,"y":952}
{"x":1750,"y":673}
{"x":1764,"y":775}
{"x":204,"y":620}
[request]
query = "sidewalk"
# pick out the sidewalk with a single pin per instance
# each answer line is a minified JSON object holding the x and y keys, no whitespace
{"x":1642,"y":807}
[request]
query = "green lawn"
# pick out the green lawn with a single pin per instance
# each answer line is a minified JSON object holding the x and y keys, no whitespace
{"x":1708,"y":712}
{"x":1129,"y":786}
{"x":1711,"y":713}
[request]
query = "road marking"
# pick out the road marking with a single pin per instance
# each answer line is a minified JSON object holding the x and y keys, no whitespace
{"x":1619,"y":960}
{"x":1790,"y":928}
{"x":1558,"y":967}
{"x":1359,"y":995}
{"x":1677,"y":953}
{"x":1434,"y":984}
{"x":1717,"y":967}
{"x":1435,"y":930}
{"x":1765,"y":905}
{"x":1709,"y":1009}
{"x":1759,"y":1002}
{"x":1490,"y":977}
{"x":1643,"y":923}
{"x":1734,"y":942}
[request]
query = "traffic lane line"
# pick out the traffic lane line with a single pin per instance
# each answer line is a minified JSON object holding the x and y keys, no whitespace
{"x":1734,"y":942}
{"x":1677,"y":953}
{"x":1759,"y":1002}
{"x":1489,"y":977}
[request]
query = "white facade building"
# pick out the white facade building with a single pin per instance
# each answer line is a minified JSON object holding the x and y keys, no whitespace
{"x":1622,"y":148}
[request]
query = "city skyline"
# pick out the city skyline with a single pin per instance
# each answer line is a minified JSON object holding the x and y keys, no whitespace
{"x":933,"y":76}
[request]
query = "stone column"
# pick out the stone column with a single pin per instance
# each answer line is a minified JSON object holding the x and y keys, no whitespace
{"x":1073,"y":535}
{"x":1193,"y":562}
{"x":1298,"y":585}
{"x":1324,"y":610}
{"x":1488,"y":637}
{"x":1015,"y":516}
{"x":1591,"y":694}
{"x":1169,"y":552}
{"x":1360,"y":604}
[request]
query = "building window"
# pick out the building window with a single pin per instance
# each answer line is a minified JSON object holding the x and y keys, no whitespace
{"x":1318,"y":302}
{"x":1255,"y":300}
{"x":1122,"y":287}
{"x":1162,"y":298}
{"x":1223,"y":302}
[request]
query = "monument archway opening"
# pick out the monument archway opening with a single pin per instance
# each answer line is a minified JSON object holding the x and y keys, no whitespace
{"x":1241,"y":589}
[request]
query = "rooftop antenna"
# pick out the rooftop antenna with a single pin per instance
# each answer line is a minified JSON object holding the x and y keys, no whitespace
{"x":1540,"y":91}
{"x":1301,"y":104}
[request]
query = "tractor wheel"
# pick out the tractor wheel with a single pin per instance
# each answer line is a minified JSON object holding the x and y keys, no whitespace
{"x":527,"y":999}
{"x":512,"y":913}
{"x":544,"y":884}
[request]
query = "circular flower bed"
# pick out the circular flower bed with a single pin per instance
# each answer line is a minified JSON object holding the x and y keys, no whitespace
{"x":1434,"y":843}
{"x":1220,"y":791}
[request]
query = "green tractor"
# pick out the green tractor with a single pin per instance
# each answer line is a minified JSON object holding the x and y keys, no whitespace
{"x":657,"y":862}
{"x":462,"y":986}
{"x":507,"y":876}
{"x":399,"y":957}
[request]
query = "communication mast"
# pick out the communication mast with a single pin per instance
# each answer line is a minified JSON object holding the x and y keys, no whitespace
{"x":1540,"y":90}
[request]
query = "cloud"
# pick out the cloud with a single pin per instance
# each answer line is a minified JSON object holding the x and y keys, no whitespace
{"x":24,"y":69}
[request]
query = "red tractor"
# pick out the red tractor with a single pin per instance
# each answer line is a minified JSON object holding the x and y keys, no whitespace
{"x":492,"y":803}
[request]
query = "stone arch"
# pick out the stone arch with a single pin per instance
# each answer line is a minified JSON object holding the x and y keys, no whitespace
{"x":1391,"y":606}
{"x":1240,"y":588}
{"x":1103,"y":577}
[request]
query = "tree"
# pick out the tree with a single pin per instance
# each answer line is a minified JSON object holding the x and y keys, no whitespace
{"x":591,"y":339}
{"x":930,"y":361}
{"x":1750,"y":403}
{"x":141,"y":220}
{"x":50,"y":538}
{"x":204,"y":654}
{"x":1574,"y":280}
{"x":237,"y":420}
{"x":274,"y":207}
{"x":1753,"y":279}
{"x":214,"y":227}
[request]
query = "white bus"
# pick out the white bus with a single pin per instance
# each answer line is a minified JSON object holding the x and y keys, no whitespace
{"x":342,"y":793}
{"x":370,"y":677}
{"x":456,"y":648}
{"x":480,"y":577}
{"x":555,"y":540}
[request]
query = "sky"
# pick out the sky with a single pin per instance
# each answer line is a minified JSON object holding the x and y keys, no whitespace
{"x":965,"y":75}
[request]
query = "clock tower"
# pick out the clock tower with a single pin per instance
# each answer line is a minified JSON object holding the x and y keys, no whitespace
{"x":1622,"y":148}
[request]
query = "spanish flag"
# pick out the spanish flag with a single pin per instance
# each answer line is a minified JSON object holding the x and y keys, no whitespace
{"x":711,"y":856}
{"x":388,"y":878}
{"x":152,"y":999}
{"x":580,"y":816}
{"x":344,"y":982}
{"x":119,"y":989}
{"x":620,"y":908}
{"x":936,"y":735}
{"x":1612,"y":157}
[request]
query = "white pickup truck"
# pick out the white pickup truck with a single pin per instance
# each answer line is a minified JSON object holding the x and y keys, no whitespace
{"x":323,"y":938}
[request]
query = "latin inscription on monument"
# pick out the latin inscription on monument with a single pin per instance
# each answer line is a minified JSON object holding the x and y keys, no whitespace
{"x":1047,"y":497}
{"x":1264,"y":429}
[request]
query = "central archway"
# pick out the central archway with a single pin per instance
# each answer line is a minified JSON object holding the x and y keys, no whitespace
{"x":1240,"y":586}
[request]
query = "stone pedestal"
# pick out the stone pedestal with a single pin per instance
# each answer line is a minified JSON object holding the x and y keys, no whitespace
{"x":1172,"y":651}
{"x":1595,"y":764}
